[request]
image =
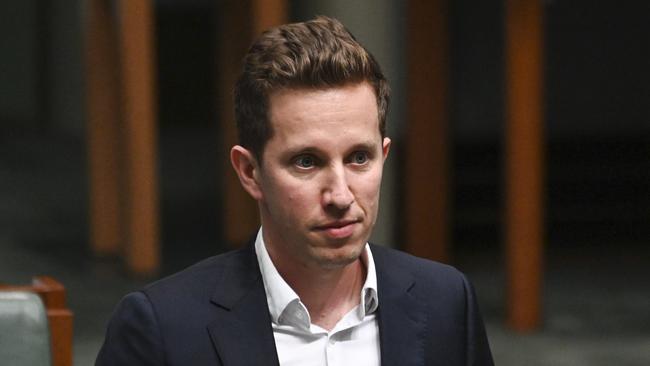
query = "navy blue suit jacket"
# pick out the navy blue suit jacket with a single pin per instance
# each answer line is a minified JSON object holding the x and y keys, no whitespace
{"x":215,"y":313}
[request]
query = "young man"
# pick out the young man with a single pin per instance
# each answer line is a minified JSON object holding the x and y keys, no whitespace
{"x":311,"y":109}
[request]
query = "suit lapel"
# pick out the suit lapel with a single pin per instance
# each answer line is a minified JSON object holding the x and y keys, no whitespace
{"x":242,"y":332}
{"x":401,"y":319}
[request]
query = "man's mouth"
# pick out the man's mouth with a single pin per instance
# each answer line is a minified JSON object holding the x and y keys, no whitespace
{"x":339,"y":229}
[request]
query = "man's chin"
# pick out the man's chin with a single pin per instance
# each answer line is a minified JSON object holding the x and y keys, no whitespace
{"x":336,"y":258}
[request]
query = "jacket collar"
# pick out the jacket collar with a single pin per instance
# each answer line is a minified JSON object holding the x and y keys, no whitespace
{"x":401,"y":314}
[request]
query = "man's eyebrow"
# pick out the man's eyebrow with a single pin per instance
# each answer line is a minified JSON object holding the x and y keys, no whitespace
{"x":311,"y":149}
{"x":302,"y":149}
{"x":365,"y":145}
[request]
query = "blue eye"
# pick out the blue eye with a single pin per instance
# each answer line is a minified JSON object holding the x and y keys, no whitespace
{"x":305,"y":161}
{"x":360,"y":157}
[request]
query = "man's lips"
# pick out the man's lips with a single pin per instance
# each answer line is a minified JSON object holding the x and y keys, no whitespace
{"x":338,"y":229}
{"x":336,"y":224}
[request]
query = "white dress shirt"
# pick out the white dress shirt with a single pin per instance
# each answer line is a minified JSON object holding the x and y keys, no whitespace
{"x":354,"y":340}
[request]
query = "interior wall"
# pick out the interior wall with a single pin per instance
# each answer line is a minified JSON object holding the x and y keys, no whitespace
{"x":18,"y":63}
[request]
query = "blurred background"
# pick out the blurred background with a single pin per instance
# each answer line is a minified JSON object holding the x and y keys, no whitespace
{"x":521,"y":152}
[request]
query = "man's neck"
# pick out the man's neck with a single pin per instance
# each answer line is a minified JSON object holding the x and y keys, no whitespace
{"x":328,"y":294}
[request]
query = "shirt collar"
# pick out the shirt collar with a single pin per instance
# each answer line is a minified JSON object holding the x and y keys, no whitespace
{"x":369,"y":298}
{"x":278,"y":292}
{"x":280,"y":296}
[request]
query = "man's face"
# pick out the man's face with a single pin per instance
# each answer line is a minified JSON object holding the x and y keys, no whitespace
{"x":320,"y":177}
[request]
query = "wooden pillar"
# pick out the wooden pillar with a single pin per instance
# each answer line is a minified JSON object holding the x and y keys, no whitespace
{"x":524,"y":162}
{"x":136,"y":35}
{"x":240,"y":23}
{"x":268,"y":13}
{"x":426,"y":153}
{"x":103,"y":128}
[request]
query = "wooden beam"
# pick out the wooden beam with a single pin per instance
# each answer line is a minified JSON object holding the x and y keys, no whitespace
{"x":136,"y":35}
{"x":426,"y":156}
{"x":524,"y":162}
{"x":240,"y":23}
{"x":103,"y":116}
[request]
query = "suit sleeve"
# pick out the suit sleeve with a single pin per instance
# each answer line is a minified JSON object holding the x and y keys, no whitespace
{"x":133,"y":335}
{"x":477,"y":346}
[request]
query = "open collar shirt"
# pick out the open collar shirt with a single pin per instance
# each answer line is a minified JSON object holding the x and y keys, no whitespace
{"x":354,"y":340}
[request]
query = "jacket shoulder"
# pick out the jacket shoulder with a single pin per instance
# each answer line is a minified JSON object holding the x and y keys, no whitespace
{"x":200,"y":279}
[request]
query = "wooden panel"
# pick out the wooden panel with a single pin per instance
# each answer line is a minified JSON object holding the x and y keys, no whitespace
{"x":426,"y":156}
{"x":103,"y":116}
{"x":51,"y":290}
{"x":139,"y":105}
{"x":60,"y":323}
{"x":524,"y":162}
{"x":240,"y":22}
{"x":60,"y":318}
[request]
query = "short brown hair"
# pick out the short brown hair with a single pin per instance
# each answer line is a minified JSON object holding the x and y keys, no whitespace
{"x":320,"y":53}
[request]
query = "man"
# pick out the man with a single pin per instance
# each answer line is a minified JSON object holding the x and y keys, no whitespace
{"x":311,"y":109}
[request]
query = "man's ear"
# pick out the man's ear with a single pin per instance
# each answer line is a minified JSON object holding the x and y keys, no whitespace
{"x":247,"y":169}
{"x":385,"y":147}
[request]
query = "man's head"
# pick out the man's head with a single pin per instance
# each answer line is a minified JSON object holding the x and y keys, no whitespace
{"x":311,"y":108}
{"x":316,"y":54}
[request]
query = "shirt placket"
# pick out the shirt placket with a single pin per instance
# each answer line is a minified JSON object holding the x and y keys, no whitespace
{"x":332,"y":356}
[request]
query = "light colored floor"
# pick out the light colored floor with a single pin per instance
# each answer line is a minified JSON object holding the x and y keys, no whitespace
{"x":590,"y":319}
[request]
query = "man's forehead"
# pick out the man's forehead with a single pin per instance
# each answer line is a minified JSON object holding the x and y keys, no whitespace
{"x":302,"y":102}
{"x":314,"y":91}
{"x":304,"y":117}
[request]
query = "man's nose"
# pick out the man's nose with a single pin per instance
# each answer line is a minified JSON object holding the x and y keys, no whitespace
{"x":337,"y":191}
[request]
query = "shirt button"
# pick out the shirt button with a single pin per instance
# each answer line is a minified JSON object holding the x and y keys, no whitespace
{"x":332,"y":341}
